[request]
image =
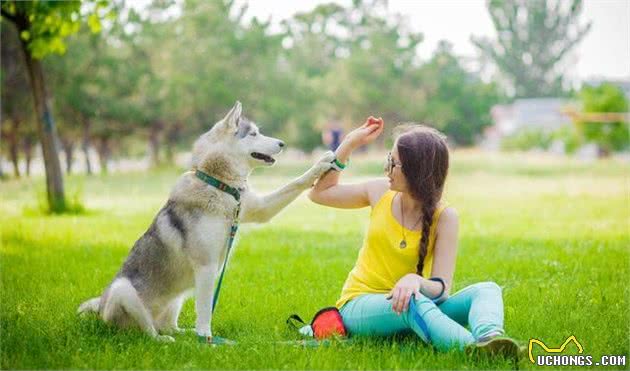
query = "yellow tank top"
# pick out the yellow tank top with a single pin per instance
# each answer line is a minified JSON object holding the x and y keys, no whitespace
{"x":381,"y":262}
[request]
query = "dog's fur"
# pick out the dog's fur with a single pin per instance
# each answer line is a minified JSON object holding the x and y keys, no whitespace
{"x":184,"y":248}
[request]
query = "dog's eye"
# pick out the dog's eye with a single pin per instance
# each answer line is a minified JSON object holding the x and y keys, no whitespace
{"x":253,"y":134}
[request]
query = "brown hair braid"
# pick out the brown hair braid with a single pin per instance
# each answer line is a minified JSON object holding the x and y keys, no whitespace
{"x":424,"y":155}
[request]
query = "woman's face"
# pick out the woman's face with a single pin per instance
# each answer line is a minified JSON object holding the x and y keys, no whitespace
{"x":397,"y":181}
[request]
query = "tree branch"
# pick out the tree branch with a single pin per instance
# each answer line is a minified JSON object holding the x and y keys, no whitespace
{"x":8,"y":16}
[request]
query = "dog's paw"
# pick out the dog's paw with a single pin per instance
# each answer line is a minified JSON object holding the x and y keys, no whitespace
{"x":175,"y":331}
{"x":165,"y":339}
{"x":203,"y":331}
{"x":328,"y":156}
{"x":323,"y":164}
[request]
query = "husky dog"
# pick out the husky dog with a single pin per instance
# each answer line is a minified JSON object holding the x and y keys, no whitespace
{"x":185,"y":247}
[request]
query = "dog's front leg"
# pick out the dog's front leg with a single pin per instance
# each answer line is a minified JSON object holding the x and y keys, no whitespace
{"x":205,"y":276}
{"x":261,"y":209}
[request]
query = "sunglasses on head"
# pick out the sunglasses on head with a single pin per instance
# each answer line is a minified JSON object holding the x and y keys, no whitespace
{"x":390,"y":164}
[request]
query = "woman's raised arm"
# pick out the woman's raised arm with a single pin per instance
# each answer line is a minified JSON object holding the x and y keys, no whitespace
{"x":327,"y":191}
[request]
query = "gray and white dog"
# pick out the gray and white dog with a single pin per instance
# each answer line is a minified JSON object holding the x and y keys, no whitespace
{"x":184,"y":249}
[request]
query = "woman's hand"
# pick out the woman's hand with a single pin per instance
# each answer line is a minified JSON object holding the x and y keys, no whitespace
{"x":400,"y":295}
{"x":366,"y":133}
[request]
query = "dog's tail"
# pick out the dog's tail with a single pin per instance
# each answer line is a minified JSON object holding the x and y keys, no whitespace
{"x":89,"y":306}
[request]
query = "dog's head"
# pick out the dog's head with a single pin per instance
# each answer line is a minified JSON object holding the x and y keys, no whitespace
{"x":237,"y":139}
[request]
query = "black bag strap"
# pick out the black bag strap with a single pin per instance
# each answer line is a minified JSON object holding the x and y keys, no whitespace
{"x":294,"y":319}
{"x":291,"y":321}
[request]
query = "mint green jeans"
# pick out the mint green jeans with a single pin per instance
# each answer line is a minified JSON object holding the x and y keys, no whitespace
{"x":443,"y":325}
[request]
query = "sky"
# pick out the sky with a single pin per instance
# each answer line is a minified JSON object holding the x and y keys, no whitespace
{"x":604,"y":53}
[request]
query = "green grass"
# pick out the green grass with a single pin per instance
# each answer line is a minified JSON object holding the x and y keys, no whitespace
{"x":553,"y":233}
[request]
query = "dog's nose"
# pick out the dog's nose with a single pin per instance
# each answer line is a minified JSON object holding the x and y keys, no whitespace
{"x":280,"y":143}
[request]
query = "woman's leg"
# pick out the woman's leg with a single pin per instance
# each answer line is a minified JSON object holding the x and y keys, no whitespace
{"x":372,"y":314}
{"x":479,"y":305}
{"x":433,"y":326}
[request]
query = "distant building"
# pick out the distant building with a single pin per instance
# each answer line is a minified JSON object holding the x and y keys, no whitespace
{"x":531,"y":113}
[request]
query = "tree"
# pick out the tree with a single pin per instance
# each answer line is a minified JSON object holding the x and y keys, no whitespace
{"x":456,"y":101}
{"x":534,"y":36}
{"x":94,"y":87}
{"x":354,"y":62}
{"x":612,"y":135}
{"x":43,"y":26}
{"x":14,"y":95}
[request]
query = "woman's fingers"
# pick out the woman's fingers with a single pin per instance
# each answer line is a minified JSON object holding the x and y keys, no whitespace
{"x":395,"y":297}
{"x":390,"y":296}
{"x":367,"y":132}
{"x":368,"y":121}
{"x":404,"y":299}
{"x":400,"y":303}
{"x":408,"y":298}
{"x":372,"y":128}
{"x":376,"y":131}
{"x":381,"y":126}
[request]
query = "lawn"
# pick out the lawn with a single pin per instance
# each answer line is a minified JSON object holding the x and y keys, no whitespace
{"x":554,"y":233}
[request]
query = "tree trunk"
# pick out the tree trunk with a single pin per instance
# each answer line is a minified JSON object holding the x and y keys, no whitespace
{"x":27,"y":148}
{"x":85,"y":144}
{"x":1,"y":171}
{"x":154,"y":143}
{"x":46,"y":130}
{"x":103,"y":153}
{"x":14,"y":147}
{"x":68,"y":149}
{"x":169,"y":151}
{"x":172,"y":136}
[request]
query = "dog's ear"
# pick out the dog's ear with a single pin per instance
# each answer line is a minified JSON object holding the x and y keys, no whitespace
{"x":230,"y":121}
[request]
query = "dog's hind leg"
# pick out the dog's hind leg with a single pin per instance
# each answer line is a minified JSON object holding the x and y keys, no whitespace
{"x":89,"y":306}
{"x":167,"y":321}
{"x":122,"y":301}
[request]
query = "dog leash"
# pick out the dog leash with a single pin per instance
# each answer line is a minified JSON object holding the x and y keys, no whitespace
{"x":233,"y":229}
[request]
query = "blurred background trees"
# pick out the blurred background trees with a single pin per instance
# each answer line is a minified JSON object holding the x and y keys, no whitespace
{"x":123,"y":81}
{"x":534,"y":37}
{"x":41,"y":27}
{"x":610,"y":130}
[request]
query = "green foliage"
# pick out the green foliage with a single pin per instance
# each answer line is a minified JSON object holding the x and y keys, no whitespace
{"x":570,"y":136}
{"x":44,"y":25}
{"x":168,"y":73}
{"x":610,"y":136}
{"x":534,"y":37}
{"x":527,"y":139}
{"x":457,"y":101}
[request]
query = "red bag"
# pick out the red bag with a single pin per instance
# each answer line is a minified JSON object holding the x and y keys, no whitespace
{"x":326,"y":323}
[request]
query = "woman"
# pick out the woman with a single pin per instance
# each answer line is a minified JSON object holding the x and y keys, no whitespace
{"x":403,"y":275}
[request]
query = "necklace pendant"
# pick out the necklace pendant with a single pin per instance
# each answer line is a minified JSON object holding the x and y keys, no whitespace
{"x":403,"y":244}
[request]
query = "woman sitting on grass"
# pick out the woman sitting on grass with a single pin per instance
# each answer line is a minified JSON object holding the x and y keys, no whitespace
{"x":403,"y":275}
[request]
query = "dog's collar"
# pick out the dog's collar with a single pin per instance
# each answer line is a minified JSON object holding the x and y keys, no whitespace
{"x":218,"y":184}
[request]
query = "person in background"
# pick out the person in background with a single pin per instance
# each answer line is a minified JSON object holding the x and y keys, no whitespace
{"x":332,"y":134}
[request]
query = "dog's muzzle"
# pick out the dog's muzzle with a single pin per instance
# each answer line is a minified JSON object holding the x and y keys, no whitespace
{"x":261,"y":156}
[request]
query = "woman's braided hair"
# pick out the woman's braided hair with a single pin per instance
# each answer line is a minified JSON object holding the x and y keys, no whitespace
{"x":424,"y":155}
